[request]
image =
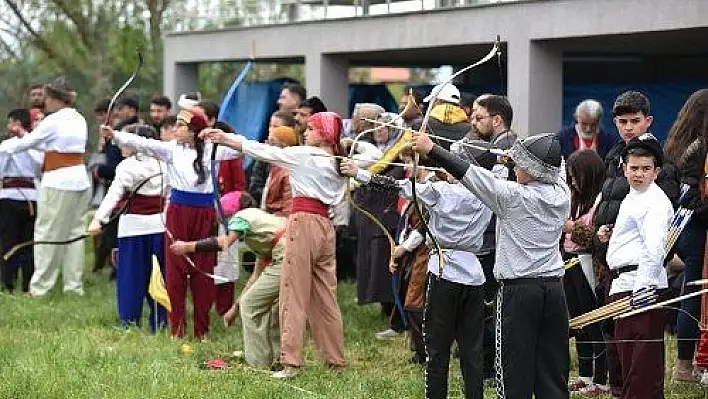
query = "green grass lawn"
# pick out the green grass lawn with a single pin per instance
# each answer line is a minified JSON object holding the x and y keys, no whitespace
{"x":72,"y":347}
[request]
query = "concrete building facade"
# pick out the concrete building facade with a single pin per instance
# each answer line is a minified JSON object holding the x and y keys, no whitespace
{"x":536,"y":36}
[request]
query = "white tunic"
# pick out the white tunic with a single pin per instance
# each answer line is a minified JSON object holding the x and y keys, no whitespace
{"x":130,"y":173}
{"x":26,"y":164}
{"x":62,"y":131}
{"x":639,"y":238}
{"x":313,"y":173}
{"x":179,"y":158}
{"x":530,"y":219}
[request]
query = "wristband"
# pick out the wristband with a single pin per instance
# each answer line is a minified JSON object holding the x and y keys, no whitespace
{"x":210,"y":244}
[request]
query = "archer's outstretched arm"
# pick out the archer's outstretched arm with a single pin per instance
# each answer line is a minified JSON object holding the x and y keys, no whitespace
{"x":211,"y":244}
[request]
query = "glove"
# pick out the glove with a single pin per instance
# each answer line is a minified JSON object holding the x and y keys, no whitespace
{"x":643,"y":297}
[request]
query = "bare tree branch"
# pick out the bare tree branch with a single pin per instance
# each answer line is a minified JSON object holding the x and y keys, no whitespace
{"x":39,"y":41}
{"x":9,"y":49}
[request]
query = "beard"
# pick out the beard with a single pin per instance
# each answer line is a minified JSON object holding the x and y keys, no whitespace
{"x":584,"y":135}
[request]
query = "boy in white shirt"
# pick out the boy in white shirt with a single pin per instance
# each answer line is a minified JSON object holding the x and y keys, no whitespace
{"x":635,"y":256}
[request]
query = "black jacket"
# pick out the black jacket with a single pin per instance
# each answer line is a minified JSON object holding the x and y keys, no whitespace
{"x":692,"y":167}
{"x":616,"y":188}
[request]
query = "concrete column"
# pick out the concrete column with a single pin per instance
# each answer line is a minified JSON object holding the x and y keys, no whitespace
{"x":535,"y":77}
{"x":327,"y":76}
{"x":180,"y":78}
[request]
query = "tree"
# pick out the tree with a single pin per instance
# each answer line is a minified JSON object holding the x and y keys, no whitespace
{"x":93,"y":42}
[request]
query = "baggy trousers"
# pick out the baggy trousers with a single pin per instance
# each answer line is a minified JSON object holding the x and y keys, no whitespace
{"x":16,"y":226}
{"x":453,"y":311}
{"x":189,"y":223}
{"x":642,"y":362}
{"x":308,"y":291}
{"x":259,"y":318}
{"x":60,"y":216}
{"x":532,"y":339}
{"x":133,"y":279}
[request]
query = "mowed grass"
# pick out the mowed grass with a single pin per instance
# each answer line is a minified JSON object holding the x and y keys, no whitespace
{"x":72,"y":347}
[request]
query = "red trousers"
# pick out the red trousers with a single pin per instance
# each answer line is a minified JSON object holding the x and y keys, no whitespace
{"x":224,"y":297}
{"x":642,"y":362}
{"x":190,"y":224}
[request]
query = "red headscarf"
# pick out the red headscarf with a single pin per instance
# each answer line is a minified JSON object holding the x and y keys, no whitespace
{"x":329,"y":125}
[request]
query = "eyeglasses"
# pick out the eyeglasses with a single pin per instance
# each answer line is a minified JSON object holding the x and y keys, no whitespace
{"x":480,"y":118}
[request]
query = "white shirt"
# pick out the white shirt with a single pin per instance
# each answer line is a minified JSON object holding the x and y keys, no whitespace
{"x":313,"y":173}
{"x":639,"y":238}
{"x":530,"y":219}
{"x":61,"y":131}
{"x":409,"y":240}
{"x":130,"y":173}
{"x":23,"y":164}
{"x":458,"y":220}
{"x":179,"y":159}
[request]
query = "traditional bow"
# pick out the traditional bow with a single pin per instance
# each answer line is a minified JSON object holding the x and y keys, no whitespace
{"x":395,"y":277}
{"x":115,"y":216}
{"x":120,"y":91}
{"x":424,"y":126}
{"x":125,"y":86}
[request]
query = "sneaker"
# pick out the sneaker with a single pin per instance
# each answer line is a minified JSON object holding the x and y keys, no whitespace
{"x":286,"y":373}
{"x":577,"y":385}
{"x":387,"y":335}
{"x":704,"y":379}
{"x":594,"y":391}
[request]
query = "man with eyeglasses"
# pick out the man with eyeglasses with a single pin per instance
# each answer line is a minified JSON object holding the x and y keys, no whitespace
{"x":491,"y":117}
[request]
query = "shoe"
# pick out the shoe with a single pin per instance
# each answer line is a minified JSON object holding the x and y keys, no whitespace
{"x":577,"y":385}
{"x":387,"y":335}
{"x":286,"y":373}
{"x":704,"y":379}
{"x":594,"y":391}
{"x":680,"y":375}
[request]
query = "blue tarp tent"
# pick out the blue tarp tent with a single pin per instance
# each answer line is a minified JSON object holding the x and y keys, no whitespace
{"x":377,"y":94}
{"x":253,"y":102}
{"x":666,"y":100}
{"x":251,"y":105}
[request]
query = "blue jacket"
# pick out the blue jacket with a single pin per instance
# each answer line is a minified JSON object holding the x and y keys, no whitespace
{"x":567,"y":141}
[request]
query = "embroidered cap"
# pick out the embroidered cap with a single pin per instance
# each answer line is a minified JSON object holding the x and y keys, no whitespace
{"x":195,"y":118}
{"x":539,"y":155}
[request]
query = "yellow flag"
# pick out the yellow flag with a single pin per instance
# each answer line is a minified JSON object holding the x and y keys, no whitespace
{"x":157,"y":286}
